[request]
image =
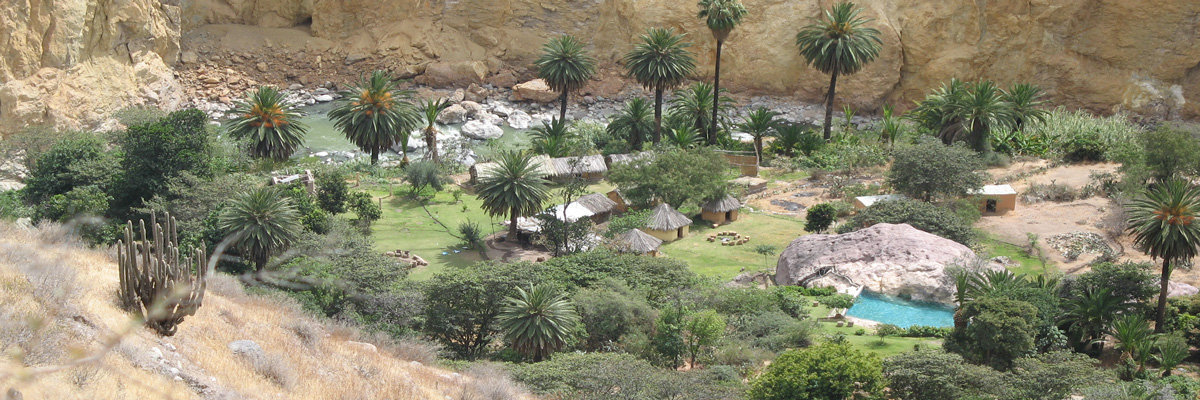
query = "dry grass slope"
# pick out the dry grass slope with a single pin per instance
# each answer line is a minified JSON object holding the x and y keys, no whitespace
{"x":58,"y":307}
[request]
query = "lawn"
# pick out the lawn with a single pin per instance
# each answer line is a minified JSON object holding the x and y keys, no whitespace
{"x":725,"y":262}
{"x":1028,"y":265}
{"x":891,"y":345}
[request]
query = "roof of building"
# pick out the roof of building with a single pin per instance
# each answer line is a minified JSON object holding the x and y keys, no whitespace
{"x":626,"y":158}
{"x":636,"y":241}
{"x":578,"y":165}
{"x":867,"y":201}
{"x":995,"y":190}
{"x":665,"y":218}
{"x":544,"y":164}
{"x":597,"y":202}
{"x":724,"y":204}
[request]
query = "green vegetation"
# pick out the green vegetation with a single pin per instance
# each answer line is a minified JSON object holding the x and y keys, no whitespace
{"x":929,"y":170}
{"x":921,"y":215}
{"x":262,"y":223}
{"x":721,"y":16}
{"x":268,"y":123}
{"x":566,"y":67}
{"x":516,"y":188}
{"x":840,"y":44}
{"x":827,"y":372}
{"x":375,"y":114}
{"x":660,"y":62}
{"x":1163,"y":223}
{"x":660,"y":177}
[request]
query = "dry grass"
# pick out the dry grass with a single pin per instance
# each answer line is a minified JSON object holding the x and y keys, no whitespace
{"x":57,"y":307}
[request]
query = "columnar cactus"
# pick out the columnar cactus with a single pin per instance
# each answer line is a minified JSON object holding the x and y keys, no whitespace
{"x":156,"y":283}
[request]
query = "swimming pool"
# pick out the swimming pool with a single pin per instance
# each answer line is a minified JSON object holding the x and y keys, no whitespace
{"x":900,"y":312}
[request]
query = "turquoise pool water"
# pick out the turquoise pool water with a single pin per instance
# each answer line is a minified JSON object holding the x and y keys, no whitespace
{"x":900,"y":312}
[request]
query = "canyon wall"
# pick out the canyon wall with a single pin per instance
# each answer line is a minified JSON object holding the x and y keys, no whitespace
{"x":1140,"y":56}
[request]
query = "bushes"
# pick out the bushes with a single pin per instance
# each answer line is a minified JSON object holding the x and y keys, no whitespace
{"x":1080,"y":136}
{"x":623,"y":223}
{"x":332,"y":190}
{"x":924,"y":216}
{"x":599,"y":376}
{"x":661,"y":177}
{"x":820,"y":217}
{"x":930,"y":170}
{"x":828,"y":371}
{"x":1055,"y":192}
{"x":424,"y":174}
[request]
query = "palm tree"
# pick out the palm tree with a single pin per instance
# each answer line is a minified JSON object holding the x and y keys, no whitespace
{"x":721,"y":16}
{"x":431,"y":108}
{"x":659,"y":63}
{"x":516,"y":187}
{"x":683,"y":137}
{"x":693,"y":104}
{"x":1088,"y":315}
{"x":552,"y":139}
{"x":1163,"y":225}
{"x":980,"y":110}
{"x":1134,"y":338}
{"x":1025,"y":101}
{"x":375,"y":114}
{"x":838,"y":45}
{"x":1172,"y":350}
{"x":634,"y":122}
{"x":265,"y":118}
{"x":538,"y":322}
{"x":759,"y":123}
{"x":566,"y":67}
{"x":937,"y":111}
{"x":261,"y":223}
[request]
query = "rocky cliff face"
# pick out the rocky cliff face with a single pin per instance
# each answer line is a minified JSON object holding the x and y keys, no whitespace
{"x":1141,"y":56}
{"x":72,"y":63}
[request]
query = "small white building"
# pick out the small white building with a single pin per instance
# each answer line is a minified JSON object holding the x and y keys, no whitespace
{"x":996,"y":199}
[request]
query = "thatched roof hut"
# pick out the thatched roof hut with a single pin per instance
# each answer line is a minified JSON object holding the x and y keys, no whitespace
{"x":636,"y":241}
{"x":724,"y":204}
{"x":597,"y":202}
{"x":665,"y":218}
{"x":579,"y":165}
{"x":617,"y":159}
{"x":544,"y":165}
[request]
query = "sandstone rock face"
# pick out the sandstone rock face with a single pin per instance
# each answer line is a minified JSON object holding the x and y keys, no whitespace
{"x":897,"y":260}
{"x":536,"y":91}
{"x":72,"y":63}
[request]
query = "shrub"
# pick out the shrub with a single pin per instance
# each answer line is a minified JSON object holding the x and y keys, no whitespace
{"x":820,"y":217}
{"x":924,"y":216}
{"x":424,"y":174}
{"x":1079,"y":136}
{"x":77,"y":160}
{"x":825,"y":372}
{"x":332,"y":190}
{"x":611,"y":310}
{"x":489,"y":382}
{"x":623,"y":223}
{"x":157,"y":153}
{"x":276,"y":369}
{"x":930,"y":170}
{"x":837,"y":301}
{"x":12,"y":206}
{"x":933,"y":375}
{"x":1055,"y":192}
{"x":471,"y":234}
{"x":995,"y":331}
{"x":660,"y":177}
{"x":365,"y":208}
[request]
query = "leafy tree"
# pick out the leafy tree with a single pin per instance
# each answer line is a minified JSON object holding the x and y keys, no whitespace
{"x":375,"y":114}
{"x":1131,"y":282}
{"x":701,"y":332}
{"x":332,"y":190}
{"x":553,"y":139}
{"x":921,"y":215}
{"x":993,"y":331}
{"x":462,"y":305}
{"x":261,"y":223}
{"x":655,"y":278}
{"x":516,"y":188}
{"x":759,"y":123}
{"x":660,"y":177}
{"x":607,"y":376}
{"x":693,"y":105}
{"x":429,"y":110}
{"x":623,"y":223}
{"x":366,"y":210}
{"x":932,"y":375}
{"x":1163,"y":225}
{"x":1026,"y":103}
{"x":820,"y":217}
{"x":633,"y":122}
{"x":67,"y":164}
{"x":668,"y":336}
{"x":838,"y":45}
{"x":612,"y":310}
{"x":267,"y":121}
{"x":1169,"y":153}
{"x":830,"y":371}
{"x":885,"y":330}
{"x":81,"y":206}
{"x":563,"y":237}
{"x":1049,"y":376}
{"x":837,"y":301}
{"x":157,"y":153}
{"x":659,"y":63}
{"x":929,"y":170}
{"x":312,"y":216}
{"x":538,"y":322}
{"x":721,"y":16}
{"x":566,"y":67}
{"x":422,"y":175}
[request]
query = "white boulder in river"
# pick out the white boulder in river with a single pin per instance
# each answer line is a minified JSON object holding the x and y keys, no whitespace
{"x":481,"y":130}
{"x":518,"y":119}
{"x":892,"y":259}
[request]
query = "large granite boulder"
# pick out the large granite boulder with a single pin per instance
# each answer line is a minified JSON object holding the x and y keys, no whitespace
{"x":897,"y":260}
{"x":537,"y":91}
{"x":480,"y":130}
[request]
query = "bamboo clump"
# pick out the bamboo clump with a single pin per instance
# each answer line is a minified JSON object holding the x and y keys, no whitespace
{"x":156,"y":284}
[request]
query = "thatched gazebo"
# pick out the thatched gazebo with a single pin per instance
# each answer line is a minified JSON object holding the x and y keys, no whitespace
{"x":721,"y":211}
{"x":637,"y":242}
{"x":600,"y":205}
{"x":667,"y":224}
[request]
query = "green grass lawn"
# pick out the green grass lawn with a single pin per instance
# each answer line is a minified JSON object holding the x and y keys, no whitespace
{"x":1027,"y":264}
{"x":406,"y":226}
{"x":724,"y":262}
{"x":891,"y":345}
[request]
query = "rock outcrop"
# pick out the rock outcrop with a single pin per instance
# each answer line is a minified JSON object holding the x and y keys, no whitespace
{"x":897,"y":260}
{"x":536,"y":91}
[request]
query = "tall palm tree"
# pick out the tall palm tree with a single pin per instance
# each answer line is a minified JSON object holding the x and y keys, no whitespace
{"x":721,"y":16}
{"x":553,"y":139}
{"x":375,"y":114}
{"x":683,"y":137}
{"x":261,"y":223}
{"x":634,"y":122}
{"x":566,"y":67}
{"x":430,"y":109}
{"x":265,"y":118}
{"x":694,"y":103}
{"x":838,"y":45}
{"x":660,"y":62}
{"x":759,"y":123}
{"x":937,"y":111}
{"x":1163,"y":223}
{"x":1025,"y":101}
{"x":516,"y":187}
{"x":980,"y":110}
{"x":1088,"y":315}
{"x":538,"y":322}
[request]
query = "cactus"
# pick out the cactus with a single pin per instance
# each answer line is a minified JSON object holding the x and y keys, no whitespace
{"x":156,"y":283}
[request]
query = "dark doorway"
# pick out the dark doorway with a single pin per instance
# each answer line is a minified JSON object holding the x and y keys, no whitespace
{"x":991,"y":205}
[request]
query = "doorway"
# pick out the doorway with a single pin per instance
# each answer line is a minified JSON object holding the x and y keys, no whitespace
{"x":991,"y":205}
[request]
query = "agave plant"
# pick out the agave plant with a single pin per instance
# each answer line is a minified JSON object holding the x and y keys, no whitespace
{"x":430,"y":109}
{"x":538,"y":322}
{"x":266,"y":120}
